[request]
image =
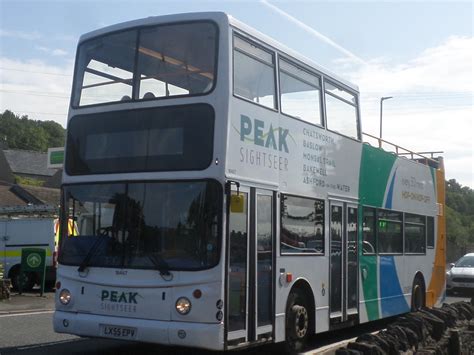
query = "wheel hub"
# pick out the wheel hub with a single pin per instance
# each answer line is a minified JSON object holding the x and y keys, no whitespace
{"x":301,"y":321}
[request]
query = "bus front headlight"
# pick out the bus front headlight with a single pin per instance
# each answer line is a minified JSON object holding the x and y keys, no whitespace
{"x":65,"y":296}
{"x":183,"y":305}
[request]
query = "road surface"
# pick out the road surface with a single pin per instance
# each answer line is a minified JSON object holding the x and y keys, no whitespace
{"x":31,"y":333}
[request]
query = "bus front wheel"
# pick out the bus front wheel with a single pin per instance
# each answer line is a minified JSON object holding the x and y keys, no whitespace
{"x":297,"y":321}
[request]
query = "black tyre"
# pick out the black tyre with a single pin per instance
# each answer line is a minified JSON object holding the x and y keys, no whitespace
{"x":50,"y":285}
{"x":418,"y":296}
{"x":297,"y":321}
{"x":27,"y":280}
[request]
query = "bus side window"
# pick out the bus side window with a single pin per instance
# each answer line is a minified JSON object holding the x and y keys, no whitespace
{"x":300,"y":93}
{"x":341,"y":111}
{"x":430,"y":239}
{"x":415,"y":234}
{"x":254,"y":73}
{"x":302,"y":225}
{"x":390,"y":235}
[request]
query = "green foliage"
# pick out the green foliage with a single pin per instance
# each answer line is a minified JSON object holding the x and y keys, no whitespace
{"x":24,"y":133}
{"x":28,"y":181}
{"x":459,"y":213}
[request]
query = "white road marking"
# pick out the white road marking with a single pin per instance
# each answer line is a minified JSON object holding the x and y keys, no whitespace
{"x":25,"y":314}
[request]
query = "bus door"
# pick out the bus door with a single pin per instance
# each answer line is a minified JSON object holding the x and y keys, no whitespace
{"x":250,"y":266}
{"x":343,"y":268}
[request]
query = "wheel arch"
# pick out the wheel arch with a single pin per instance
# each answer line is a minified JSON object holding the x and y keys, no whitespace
{"x":303,"y":285}
{"x":419,"y":276}
{"x":418,"y":279}
{"x":13,"y":269}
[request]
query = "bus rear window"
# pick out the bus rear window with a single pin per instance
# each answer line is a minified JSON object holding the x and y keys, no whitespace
{"x":147,"y":63}
{"x":158,"y":139}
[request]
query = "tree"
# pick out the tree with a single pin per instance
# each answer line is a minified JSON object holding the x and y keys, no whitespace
{"x":459,"y":213}
{"x":24,"y":133}
{"x":455,"y":230}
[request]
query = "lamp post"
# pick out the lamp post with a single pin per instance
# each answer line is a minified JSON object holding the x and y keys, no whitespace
{"x":381,"y":109}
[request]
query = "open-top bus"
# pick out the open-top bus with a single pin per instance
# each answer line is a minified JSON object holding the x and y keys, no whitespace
{"x":224,"y":196}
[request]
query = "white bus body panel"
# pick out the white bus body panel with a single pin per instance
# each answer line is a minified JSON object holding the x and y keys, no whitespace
{"x":142,"y":299}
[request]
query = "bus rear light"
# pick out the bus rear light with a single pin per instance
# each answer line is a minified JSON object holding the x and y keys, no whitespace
{"x":289,"y":277}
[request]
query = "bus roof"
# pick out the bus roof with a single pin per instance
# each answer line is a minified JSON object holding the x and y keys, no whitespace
{"x":155,"y":20}
{"x":222,"y":18}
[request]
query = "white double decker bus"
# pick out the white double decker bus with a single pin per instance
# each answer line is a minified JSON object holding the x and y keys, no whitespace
{"x":223,"y":195}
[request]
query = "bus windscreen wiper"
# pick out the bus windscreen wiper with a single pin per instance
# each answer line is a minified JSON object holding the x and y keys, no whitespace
{"x":85,"y":262}
{"x":160,"y":264}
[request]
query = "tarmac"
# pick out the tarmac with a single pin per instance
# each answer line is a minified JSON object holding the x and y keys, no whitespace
{"x":27,"y":302}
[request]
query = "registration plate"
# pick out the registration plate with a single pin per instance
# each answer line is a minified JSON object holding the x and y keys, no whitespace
{"x":114,"y":331}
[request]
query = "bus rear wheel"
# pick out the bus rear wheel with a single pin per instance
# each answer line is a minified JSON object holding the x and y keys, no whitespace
{"x":418,"y":295}
{"x":297,"y":321}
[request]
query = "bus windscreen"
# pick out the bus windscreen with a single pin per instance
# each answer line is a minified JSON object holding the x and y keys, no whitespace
{"x":143,"y":225}
{"x":146,"y":63}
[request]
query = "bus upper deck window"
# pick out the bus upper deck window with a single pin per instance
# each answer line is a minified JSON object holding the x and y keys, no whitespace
{"x":173,"y":59}
{"x":254,"y":73}
{"x":341,"y":111}
{"x":177,"y":59}
{"x":300,"y":93}
{"x":104,"y":70}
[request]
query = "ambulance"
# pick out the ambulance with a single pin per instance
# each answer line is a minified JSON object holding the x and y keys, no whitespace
{"x":27,"y":230}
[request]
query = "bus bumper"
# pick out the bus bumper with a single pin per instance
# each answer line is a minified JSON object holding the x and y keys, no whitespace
{"x":202,"y":335}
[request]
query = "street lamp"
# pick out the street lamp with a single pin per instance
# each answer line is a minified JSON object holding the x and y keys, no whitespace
{"x":381,"y":107}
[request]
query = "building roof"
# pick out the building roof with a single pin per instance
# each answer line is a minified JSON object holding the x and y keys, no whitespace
{"x":25,"y":196}
{"x":47,"y":195}
{"x":8,"y":198}
{"x":28,"y":162}
{"x":5,"y":170}
{"x":55,"y":180}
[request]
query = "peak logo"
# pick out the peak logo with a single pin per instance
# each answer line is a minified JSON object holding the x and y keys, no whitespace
{"x":119,"y":297}
{"x":255,"y":131}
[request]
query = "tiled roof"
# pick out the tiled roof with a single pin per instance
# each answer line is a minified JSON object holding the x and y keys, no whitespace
{"x":55,"y":180}
{"x":28,"y":162}
{"x":48,"y":196}
{"x":6,"y":174}
{"x":10,"y":197}
{"x":7,"y":198}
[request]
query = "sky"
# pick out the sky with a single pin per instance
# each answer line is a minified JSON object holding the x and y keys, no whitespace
{"x":419,"y":52}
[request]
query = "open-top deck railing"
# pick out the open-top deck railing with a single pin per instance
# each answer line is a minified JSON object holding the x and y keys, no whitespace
{"x":420,"y":157}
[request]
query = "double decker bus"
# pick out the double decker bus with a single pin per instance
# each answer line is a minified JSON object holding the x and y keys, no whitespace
{"x":224,"y":196}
